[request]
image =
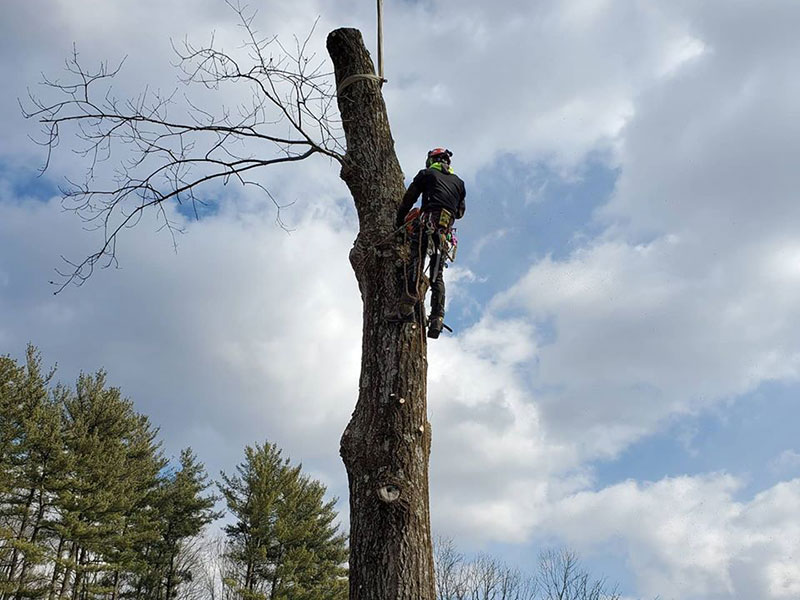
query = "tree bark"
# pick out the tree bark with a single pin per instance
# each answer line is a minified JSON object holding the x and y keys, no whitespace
{"x":386,"y":445}
{"x":56,"y":568}
{"x":36,"y":525}
{"x":12,"y":569}
{"x":79,"y":573}
{"x":72,"y":560}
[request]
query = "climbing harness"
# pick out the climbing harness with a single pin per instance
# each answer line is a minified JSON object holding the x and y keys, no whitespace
{"x":440,"y":226}
{"x":435,"y":229}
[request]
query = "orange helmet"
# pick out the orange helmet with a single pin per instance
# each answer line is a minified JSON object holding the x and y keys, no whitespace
{"x":438,"y":155}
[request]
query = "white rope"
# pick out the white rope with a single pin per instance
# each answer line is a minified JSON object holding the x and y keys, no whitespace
{"x":357,"y":77}
{"x":380,"y":38}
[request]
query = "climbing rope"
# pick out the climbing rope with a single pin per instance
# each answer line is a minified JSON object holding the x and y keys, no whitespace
{"x":420,"y":306}
{"x":379,"y":78}
{"x":380,"y":40}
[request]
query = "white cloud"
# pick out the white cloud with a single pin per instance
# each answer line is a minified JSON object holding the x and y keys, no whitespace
{"x":688,"y":297}
{"x":493,"y":464}
{"x":646,"y":333}
{"x":527,"y":79}
{"x":704,"y":308}
{"x":688,"y":537}
{"x":240,"y":336}
{"x":787,"y":462}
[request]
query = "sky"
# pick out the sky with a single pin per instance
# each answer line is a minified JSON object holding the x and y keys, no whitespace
{"x":623,"y":376}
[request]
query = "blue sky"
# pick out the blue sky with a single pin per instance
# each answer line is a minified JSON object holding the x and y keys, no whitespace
{"x":623,"y":378}
{"x":713,"y":441}
{"x":521,"y":211}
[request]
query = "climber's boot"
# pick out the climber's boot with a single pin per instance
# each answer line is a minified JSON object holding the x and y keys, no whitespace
{"x":435,"y":326}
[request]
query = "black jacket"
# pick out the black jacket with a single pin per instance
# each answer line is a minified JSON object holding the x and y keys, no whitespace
{"x":439,"y":189}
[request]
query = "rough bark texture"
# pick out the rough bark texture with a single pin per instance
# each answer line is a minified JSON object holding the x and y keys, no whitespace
{"x":386,"y":445}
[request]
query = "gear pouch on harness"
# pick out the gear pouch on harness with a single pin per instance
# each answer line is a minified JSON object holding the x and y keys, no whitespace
{"x":438,"y":220}
{"x":439,"y":223}
{"x":450,"y":244}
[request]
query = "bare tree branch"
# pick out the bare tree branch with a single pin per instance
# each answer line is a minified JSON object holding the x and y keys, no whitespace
{"x":483,"y":578}
{"x":290,"y":117}
{"x":562,"y":577}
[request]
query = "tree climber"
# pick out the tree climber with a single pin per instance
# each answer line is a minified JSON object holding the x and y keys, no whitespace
{"x":443,"y":201}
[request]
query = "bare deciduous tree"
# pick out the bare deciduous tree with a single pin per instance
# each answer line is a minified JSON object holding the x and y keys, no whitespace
{"x":561,"y":577}
{"x":483,"y":578}
{"x":289,"y":117}
{"x":447,"y":564}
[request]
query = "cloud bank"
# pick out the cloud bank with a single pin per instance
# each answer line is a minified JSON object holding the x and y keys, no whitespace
{"x":684,"y":301}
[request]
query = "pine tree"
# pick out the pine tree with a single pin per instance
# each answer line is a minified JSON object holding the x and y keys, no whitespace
{"x":43,"y":472}
{"x":32,"y":459}
{"x":284,"y":543}
{"x":183,"y":509}
{"x":11,"y":377}
{"x":138,"y":507}
{"x":113,"y":473}
{"x":87,"y":508}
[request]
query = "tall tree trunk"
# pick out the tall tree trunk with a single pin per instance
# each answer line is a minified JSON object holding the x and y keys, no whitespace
{"x":115,"y":588}
{"x":37,"y":526}
{"x":168,"y":595}
{"x":248,"y":577}
{"x":386,"y":445}
{"x":79,"y":573}
{"x":71,"y":562}
{"x":56,"y":568}
{"x":12,"y":569}
{"x":140,"y":580}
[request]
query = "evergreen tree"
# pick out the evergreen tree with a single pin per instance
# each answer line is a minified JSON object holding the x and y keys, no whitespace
{"x":87,"y":508}
{"x":114,"y":472}
{"x":43,"y":474}
{"x":11,"y":378}
{"x":283,"y":544}
{"x":32,"y":460}
{"x":183,"y":509}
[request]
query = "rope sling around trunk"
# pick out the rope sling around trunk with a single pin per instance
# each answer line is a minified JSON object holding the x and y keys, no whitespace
{"x":369,"y":76}
{"x":357,"y":77}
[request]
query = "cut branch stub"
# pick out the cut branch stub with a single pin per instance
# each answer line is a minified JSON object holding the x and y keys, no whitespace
{"x":388,"y":492}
